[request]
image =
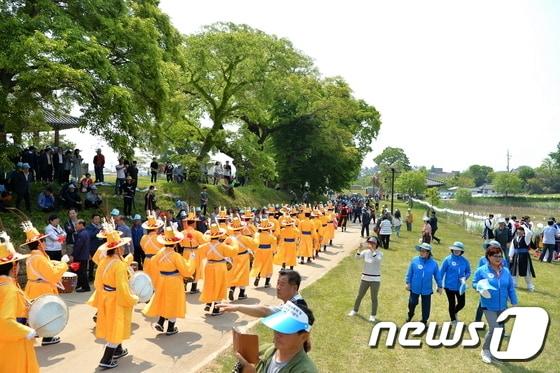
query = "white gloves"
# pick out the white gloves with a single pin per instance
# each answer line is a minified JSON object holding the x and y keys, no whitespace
{"x":485,"y":294}
{"x":463,"y":280}
{"x":65,"y":258}
{"x":32,"y":334}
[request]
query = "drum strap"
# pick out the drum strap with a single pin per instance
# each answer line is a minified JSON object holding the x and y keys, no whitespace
{"x":30,"y":266}
{"x":165,"y":256}
{"x":109,"y":265}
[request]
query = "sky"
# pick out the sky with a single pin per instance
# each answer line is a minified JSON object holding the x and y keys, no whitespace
{"x":456,"y":82}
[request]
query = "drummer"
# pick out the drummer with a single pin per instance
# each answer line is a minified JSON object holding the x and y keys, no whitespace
{"x":43,"y":274}
{"x":190,"y":243}
{"x":114,"y":300}
{"x":17,"y":339}
{"x":150,"y":244}
{"x":169,"y":300}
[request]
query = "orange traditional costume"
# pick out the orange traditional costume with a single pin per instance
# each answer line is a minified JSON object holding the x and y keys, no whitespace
{"x":306,"y":227}
{"x":150,"y":245}
{"x":266,"y":247}
{"x":169,"y":299}
{"x":215,"y":284}
{"x":16,"y":339}
{"x":190,"y":244}
{"x":43,"y":274}
{"x":287,"y":246}
{"x":114,"y":300}
{"x":238,"y":276}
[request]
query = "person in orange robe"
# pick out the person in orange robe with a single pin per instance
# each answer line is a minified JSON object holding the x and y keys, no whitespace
{"x":150,"y":244}
{"x":331,"y":219}
{"x":287,"y":246}
{"x":190,"y":244}
{"x":266,"y":247}
{"x":306,"y":227}
{"x":43,"y":274}
{"x":248,"y":217}
{"x":169,"y":299}
{"x":325,"y":236}
{"x":16,"y":338}
{"x":238,"y":276}
{"x":215,"y":271}
{"x":318,"y":236}
{"x":114,"y":300}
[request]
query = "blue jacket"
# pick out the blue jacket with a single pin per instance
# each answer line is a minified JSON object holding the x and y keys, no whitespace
{"x":137,"y":232}
{"x":420,"y":274}
{"x":452,"y":269}
{"x":94,"y":242}
{"x":81,"y":246}
{"x":483,"y":261}
{"x":504,"y":285}
{"x":45,"y":201}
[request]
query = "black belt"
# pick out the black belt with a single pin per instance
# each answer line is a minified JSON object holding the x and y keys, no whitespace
{"x":307,"y":233}
{"x":22,"y":320}
{"x":243,"y":252}
{"x":149,"y":255}
{"x":163,"y":273}
{"x":191,"y":248}
{"x":108,"y":288}
{"x":216,"y":261}
{"x":264,"y":246}
{"x":365,"y":274}
{"x":38,"y":280}
{"x":324,"y":225}
{"x":289,"y":240}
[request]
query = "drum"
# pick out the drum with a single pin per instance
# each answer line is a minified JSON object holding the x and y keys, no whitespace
{"x":141,"y":286}
{"x":69,"y":282}
{"x":134,"y":266}
{"x":48,"y":315}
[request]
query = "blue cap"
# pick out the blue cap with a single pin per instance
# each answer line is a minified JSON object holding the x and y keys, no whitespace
{"x":289,"y":320}
{"x":26,"y":165}
{"x":115,"y":212}
{"x":19,"y":165}
{"x":137,"y":217}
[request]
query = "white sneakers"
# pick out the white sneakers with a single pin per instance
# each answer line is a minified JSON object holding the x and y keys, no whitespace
{"x":486,"y":357}
{"x":354,"y":313}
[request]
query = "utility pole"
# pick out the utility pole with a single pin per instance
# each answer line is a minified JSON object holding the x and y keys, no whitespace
{"x":392,"y":188}
{"x":508,"y":158}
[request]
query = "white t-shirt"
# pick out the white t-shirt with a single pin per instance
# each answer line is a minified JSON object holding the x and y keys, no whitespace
{"x":121,"y":171}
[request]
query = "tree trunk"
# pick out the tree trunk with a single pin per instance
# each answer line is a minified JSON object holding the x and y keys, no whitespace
{"x":208,"y":142}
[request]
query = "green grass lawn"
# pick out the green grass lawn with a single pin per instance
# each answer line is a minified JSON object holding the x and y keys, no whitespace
{"x":167,"y":194}
{"x":340,"y":343}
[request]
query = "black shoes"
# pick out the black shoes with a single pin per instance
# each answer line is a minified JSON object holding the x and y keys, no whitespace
{"x":50,"y":341}
{"x":230,"y":295}
{"x":242,"y":294}
{"x":107,"y":361}
{"x":171,"y":328}
{"x":120,"y":352}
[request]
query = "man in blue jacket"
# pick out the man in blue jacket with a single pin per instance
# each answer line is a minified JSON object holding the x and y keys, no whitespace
{"x":80,"y":254}
{"x":421,"y":271}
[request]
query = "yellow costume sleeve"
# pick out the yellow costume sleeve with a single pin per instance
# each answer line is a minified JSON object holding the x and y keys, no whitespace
{"x":50,"y":272}
{"x":185,"y":267}
{"x":125,"y":298}
{"x":97,"y":257}
{"x":10,"y":329}
{"x":128,"y":259}
{"x":230,"y":251}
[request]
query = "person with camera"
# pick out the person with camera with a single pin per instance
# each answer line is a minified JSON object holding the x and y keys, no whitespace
{"x":371,"y":276}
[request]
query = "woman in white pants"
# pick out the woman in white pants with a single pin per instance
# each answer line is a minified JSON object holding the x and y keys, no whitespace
{"x":371,"y":276}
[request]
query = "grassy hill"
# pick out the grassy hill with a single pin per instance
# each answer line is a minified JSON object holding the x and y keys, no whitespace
{"x":167,"y":194}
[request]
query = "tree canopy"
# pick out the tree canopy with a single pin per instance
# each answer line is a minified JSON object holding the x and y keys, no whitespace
{"x":115,"y":60}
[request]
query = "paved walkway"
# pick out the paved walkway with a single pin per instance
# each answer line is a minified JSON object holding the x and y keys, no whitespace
{"x":200,"y":339}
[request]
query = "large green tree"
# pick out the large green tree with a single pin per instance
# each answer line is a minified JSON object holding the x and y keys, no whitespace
{"x":225,"y":66}
{"x":391,"y":158}
{"x":507,"y":183}
{"x":480,"y":174}
{"x":116,"y":60}
{"x":411,"y":182}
